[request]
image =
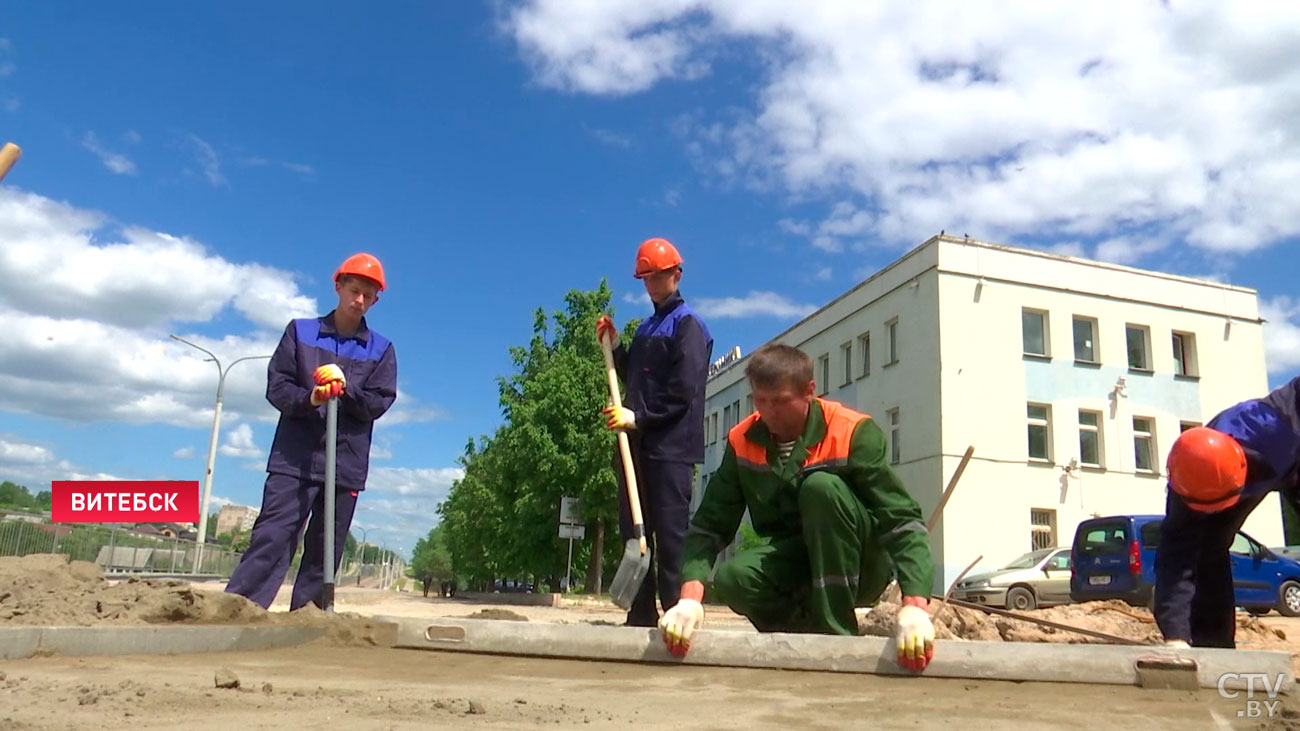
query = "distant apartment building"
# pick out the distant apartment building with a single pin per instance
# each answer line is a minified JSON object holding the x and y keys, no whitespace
{"x":235,"y":519}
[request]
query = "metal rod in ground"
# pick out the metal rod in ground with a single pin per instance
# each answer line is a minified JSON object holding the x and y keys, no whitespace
{"x":1046,"y":623}
{"x":331,"y":451}
{"x":947,"y":493}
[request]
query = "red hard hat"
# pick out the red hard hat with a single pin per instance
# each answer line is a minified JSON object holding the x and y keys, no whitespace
{"x":1207,"y":468}
{"x":362,"y":265}
{"x":656,"y":255}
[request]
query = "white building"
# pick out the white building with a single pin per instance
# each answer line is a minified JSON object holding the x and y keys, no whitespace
{"x":1069,"y":377}
{"x":235,"y":519}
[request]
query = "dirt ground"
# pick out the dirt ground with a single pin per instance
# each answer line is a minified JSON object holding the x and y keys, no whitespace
{"x":350,"y":677}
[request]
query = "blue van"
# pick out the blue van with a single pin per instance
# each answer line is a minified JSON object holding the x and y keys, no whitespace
{"x":1115,"y":558}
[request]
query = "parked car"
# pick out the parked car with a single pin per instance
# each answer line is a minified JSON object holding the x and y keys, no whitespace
{"x":1037,"y":579}
{"x":1114,"y":558}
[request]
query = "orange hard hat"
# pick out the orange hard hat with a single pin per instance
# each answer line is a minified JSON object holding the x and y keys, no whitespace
{"x":656,"y":255}
{"x":362,"y":265}
{"x":1207,"y":468}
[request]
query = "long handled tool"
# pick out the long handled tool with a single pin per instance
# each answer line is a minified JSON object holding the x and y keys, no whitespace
{"x":636,"y":559}
{"x":331,"y":453}
{"x":9,"y":155}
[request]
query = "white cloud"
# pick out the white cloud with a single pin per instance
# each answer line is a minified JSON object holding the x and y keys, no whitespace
{"x":115,"y":162}
{"x":638,"y":298}
{"x":755,"y":304}
{"x":1281,"y":334}
{"x":184,"y":453}
{"x":610,"y":138}
{"x":239,"y":443}
{"x":90,"y":310}
{"x":580,"y":46}
{"x":400,"y":505}
{"x":13,"y":451}
{"x":208,"y":161}
{"x":822,"y":275}
{"x":1057,"y":121}
{"x":296,"y":167}
{"x":35,"y":466}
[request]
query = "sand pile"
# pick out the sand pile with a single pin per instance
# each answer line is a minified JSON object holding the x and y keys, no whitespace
{"x":50,"y":590}
{"x":1110,"y":617}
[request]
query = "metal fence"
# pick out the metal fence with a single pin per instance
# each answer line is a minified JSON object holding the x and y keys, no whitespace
{"x":117,"y":550}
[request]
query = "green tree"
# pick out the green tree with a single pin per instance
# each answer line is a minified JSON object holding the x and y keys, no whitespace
{"x":16,"y":497}
{"x":501,"y":518}
{"x":431,"y":560}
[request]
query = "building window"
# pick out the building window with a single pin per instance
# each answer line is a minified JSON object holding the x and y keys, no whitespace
{"x":1090,"y":438}
{"x":1042,"y":529}
{"x":1139,"y":353}
{"x":1033,"y":331}
{"x":891,"y":328}
{"x":1144,"y":444}
{"x":1185,"y":425}
{"x":864,"y":354}
{"x":847,"y":351}
{"x":726,"y":418}
{"x":1039,"y":434}
{"x":735,"y":410}
{"x":1185,"y":354}
{"x":749,"y":404}
{"x":824,"y":374}
{"x":1085,"y":340}
{"x":894,"y":450}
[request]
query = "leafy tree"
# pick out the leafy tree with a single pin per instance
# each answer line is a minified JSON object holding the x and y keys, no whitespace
{"x":501,"y":518}
{"x":431,"y":561}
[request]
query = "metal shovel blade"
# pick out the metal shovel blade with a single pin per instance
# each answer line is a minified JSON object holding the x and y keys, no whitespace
{"x":631,"y":572}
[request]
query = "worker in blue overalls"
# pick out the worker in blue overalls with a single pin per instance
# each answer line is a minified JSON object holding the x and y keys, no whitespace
{"x":662,"y":412}
{"x":1218,"y":473}
{"x":319,"y":358}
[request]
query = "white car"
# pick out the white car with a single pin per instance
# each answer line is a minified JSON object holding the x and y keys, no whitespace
{"x":1037,"y":579}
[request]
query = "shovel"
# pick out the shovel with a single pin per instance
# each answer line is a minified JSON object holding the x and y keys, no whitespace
{"x":636,"y":560}
{"x":331,"y":452}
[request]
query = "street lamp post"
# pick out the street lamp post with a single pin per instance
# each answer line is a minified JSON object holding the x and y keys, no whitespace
{"x":212,"y":445}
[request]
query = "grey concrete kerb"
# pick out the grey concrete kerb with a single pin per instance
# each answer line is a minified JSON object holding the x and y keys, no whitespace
{"x":20,"y":642}
{"x":1017,"y":661}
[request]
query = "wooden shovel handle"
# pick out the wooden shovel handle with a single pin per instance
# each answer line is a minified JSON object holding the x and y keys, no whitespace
{"x":624,"y":448}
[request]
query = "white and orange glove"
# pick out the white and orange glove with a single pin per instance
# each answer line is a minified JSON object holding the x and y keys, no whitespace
{"x":321,"y":394}
{"x":915,"y":634}
{"x":330,"y":383}
{"x":687,"y":615}
{"x":329,"y":373}
{"x":605,"y":330}
{"x":619,"y":417}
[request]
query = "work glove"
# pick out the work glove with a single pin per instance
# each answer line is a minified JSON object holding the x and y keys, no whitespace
{"x":321,"y":394}
{"x":329,"y":373}
{"x":619,"y":417}
{"x":679,"y":623}
{"x":1177,"y":644}
{"x":605,"y":331}
{"x":915,"y":635}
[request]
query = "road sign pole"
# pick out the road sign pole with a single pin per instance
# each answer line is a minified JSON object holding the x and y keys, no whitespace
{"x":568,"y":570}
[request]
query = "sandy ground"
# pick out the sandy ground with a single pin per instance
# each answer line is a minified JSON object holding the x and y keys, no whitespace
{"x":324,"y":687}
{"x":345,"y":679}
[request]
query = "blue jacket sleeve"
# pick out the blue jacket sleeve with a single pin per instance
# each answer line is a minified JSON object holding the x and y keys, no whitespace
{"x":367,"y":399}
{"x":282,"y":387}
{"x":689,"y":370}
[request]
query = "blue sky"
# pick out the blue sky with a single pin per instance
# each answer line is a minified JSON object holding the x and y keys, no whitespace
{"x":202,"y":170}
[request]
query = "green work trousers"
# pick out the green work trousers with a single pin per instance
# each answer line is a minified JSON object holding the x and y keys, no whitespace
{"x":810,"y":582}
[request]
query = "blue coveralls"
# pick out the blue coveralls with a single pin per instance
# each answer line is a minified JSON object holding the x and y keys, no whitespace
{"x":296,"y":467}
{"x":1194,"y":589}
{"x":664,"y":370}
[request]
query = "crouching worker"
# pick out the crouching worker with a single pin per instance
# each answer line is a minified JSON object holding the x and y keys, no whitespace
{"x":1218,"y":474}
{"x":816,"y":481}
